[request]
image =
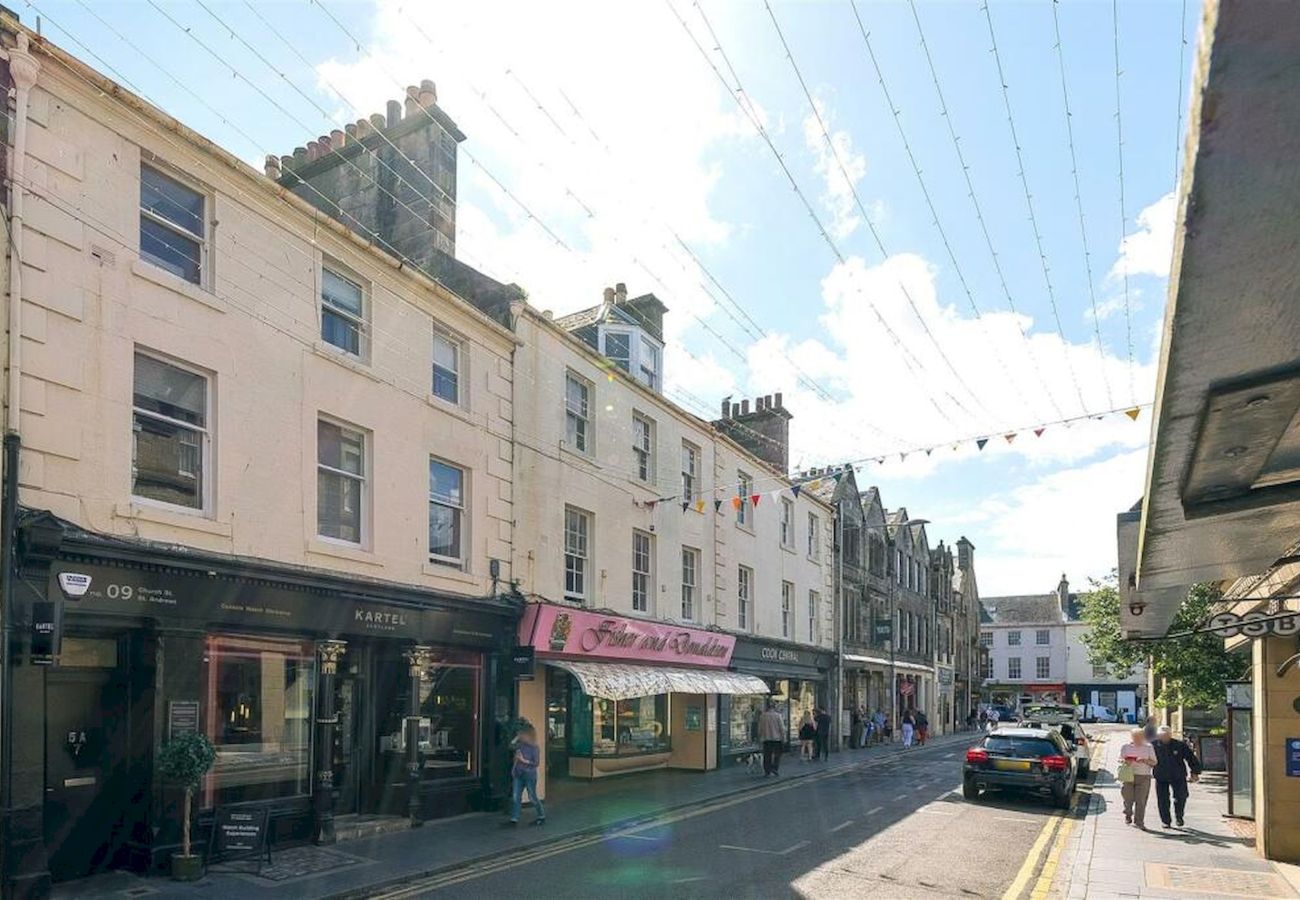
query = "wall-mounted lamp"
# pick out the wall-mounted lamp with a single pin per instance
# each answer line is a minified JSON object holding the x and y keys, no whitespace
{"x":1137,"y":607}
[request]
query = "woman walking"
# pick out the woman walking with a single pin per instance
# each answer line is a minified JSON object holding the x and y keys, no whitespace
{"x":524,"y":776}
{"x":909,"y":728}
{"x":807,"y":734}
{"x":1136,"y":760}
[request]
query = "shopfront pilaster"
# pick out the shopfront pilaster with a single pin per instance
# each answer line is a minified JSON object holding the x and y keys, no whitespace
{"x":328,"y":653}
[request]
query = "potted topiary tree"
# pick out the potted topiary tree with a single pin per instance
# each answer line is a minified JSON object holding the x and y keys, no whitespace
{"x":185,"y":759}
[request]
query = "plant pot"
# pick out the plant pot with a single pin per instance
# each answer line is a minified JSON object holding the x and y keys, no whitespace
{"x":187,"y":868}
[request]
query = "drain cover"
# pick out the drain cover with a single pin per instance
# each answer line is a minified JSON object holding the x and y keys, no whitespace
{"x":1232,"y":882}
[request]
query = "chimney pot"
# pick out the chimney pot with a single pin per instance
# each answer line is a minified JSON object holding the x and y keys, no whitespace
{"x":286,"y":163}
{"x":609,"y":295}
{"x":744,"y":407}
{"x":299,"y":155}
{"x":337,"y":138}
{"x":378,"y":122}
{"x":767,"y":401}
{"x":412,"y":102}
{"x":325,"y":144}
{"x":778,"y":400}
{"x":428,"y":95}
{"x":548,"y":315}
{"x":313,"y":150}
{"x":726,"y":409}
{"x":394,"y":112}
{"x":351,"y":130}
{"x":620,"y":293}
{"x":272,"y":166}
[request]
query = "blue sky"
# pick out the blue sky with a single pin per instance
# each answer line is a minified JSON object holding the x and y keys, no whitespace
{"x":613,"y":106}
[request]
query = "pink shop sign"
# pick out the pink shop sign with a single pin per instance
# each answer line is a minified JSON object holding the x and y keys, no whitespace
{"x":584,"y":634}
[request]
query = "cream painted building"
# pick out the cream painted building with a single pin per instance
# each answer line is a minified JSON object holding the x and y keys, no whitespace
{"x":264,"y":475}
{"x":628,"y":504}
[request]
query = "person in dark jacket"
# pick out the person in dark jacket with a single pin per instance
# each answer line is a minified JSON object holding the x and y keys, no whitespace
{"x":823,"y":734}
{"x":1173,"y":760}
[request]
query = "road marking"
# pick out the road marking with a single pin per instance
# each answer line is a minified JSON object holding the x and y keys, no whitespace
{"x":874,"y":810}
{"x":786,"y":852}
{"x":936,"y":812}
{"x":1044,"y":883}
{"x":900,"y":797}
{"x":688,"y":880}
{"x":842,"y":826}
{"x":949,"y":755}
{"x":1014,"y":818}
{"x":1027,"y":867}
{"x":798,"y":846}
{"x":635,"y":837}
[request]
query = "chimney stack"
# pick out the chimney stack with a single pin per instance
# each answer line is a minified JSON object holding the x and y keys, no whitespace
{"x":726,"y":408}
{"x":765,"y":432}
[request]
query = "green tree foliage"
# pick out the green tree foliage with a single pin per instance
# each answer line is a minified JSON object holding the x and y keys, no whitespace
{"x":185,"y":759}
{"x":1195,"y":666}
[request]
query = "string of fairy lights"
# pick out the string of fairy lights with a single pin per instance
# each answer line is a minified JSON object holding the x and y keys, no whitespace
{"x":946,"y":403}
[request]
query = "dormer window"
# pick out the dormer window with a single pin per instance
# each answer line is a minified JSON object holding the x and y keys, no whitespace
{"x":635,"y":352}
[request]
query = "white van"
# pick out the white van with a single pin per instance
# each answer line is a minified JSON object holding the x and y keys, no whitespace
{"x":1091,"y":712}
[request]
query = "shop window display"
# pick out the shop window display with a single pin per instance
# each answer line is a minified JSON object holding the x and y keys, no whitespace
{"x":742,"y":722}
{"x":803,"y":698}
{"x":449,"y":717}
{"x":259,"y":717}
{"x":630,"y":727}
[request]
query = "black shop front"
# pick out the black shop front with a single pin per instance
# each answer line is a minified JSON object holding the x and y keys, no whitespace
{"x":324,"y":696}
{"x":796,"y":676}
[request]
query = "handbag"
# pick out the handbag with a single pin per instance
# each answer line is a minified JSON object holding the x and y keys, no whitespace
{"x":1125,"y":773}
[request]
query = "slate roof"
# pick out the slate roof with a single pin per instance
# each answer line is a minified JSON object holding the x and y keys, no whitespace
{"x":599,"y":313}
{"x":1021,"y":609}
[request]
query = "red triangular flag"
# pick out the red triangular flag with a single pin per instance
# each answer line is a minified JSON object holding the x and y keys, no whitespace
{"x":1038,"y":432}
{"x":755,"y":498}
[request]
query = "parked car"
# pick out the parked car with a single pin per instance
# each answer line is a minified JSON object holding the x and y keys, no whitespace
{"x":1005,"y":713}
{"x":1035,"y":760}
{"x":1063,"y":719}
{"x":1091,"y":712}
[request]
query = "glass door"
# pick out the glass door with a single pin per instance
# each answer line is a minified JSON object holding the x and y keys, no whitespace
{"x":557,"y":722}
{"x":346,"y":746}
{"x":1241,"y":774}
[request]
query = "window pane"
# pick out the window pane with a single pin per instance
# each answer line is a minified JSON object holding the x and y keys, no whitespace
{"x":446,"y":369}
{"x":168,"y":462}
{"x":341,"y":293}
{"x":445,"y":483}
{"x":338,"y":506}
{"x":618,"y":347}
{"x":340,"y":448}
{"x":167,"y":198}
{"x":340,"y":331}
{"x":444,"y":531}
{"x":259,"y":702}
{"x":170,"y":250}
{"x":170,"y":391}
{"x":575,"y":396}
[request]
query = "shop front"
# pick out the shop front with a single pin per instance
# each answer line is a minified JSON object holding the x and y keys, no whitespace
{"x":323,"y":697}
{"x":795,"y":679}
{"x":612,"y":694}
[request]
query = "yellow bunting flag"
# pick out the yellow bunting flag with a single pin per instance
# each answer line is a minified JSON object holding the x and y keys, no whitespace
{"x":699,"y":506}
{"x":1133,"y":413}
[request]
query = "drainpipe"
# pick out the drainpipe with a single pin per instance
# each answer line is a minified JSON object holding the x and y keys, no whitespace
{"x":22,"y":69}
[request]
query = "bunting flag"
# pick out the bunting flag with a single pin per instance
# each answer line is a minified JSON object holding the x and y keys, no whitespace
{"x":880,"y":460}
{"x":815,"y":484}
{"x":651,"y":503}
{"x":717,"y":506}
{"x":929,"y":450}
{"x":981,"y":442}
{"x":956,"y":447}
{"x":838,"y":476}
{"x":754,"y":499}
{"x":699,"y":505}
{"x":1133,"y":413}
{"x":686,"y":504}
{"x":736,"y":501}
{"x":1010,"y":437}
{"x":795,"y":488}
{"x":1038,"y":432}
{"x":902,"y":457}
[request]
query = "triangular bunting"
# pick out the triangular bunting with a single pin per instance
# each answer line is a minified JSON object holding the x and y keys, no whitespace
{"x":736,"y":501}
{"x":1038,"y":432}
{"x":929,"y":450}
{"x":1010,"y":437}
{"x":717,"y":506}
{"x":795,"y":488}
{"x":755,"y":498}
{"x":838,"y":476}
{"x":902,"y":457}
{"x":699,"y":505}
{"x":650,"y":504}
{"x":956,"y":447}
{"x":815,"y":484}
{"x":981,"y":442}
{"x":686,"y":504}
{"x":1133,"y":413}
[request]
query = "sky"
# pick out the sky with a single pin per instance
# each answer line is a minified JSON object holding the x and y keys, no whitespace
{"x":911,"y":273}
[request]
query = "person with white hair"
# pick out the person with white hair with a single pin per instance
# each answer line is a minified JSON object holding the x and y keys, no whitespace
{"x":1137,"y":759}
{"x":1174,"y":758}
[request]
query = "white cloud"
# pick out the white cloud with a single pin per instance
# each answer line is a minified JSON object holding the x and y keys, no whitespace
{"x":1150,"y":249}
{"x":831,"y":168}
{"x":1114,"y":305}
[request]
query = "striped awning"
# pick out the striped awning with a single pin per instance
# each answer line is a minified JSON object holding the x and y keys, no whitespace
{"x":616,"y":681}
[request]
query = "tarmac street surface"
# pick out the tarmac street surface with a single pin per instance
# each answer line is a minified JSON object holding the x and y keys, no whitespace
{"x":897,"y":827}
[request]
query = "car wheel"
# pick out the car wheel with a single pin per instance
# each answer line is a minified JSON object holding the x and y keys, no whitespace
{"x":970,"y":790}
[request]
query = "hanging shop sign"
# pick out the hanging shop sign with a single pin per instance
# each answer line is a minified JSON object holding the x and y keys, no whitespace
{"x":522,"y":660}
{"x":1254,"y":625}
{"x":591,"y":635}
{"x":45,"y":633}
{"x":181,"y":598}
{"x":884,"y":630}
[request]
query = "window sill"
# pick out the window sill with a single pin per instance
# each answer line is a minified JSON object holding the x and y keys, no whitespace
{"x":344,"y":359}
{"x":198,"y":294}
{"x":449,"y":572}
{"x":458,"y":410}
{"x":585,"y":456}
{"x":351,"y":552}
{"x":748,"y":529}
{"x":159,"y":514}
{"x":787,"y":548}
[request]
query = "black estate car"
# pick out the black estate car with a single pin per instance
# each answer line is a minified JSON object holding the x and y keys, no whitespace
{"x":1025,"y":759}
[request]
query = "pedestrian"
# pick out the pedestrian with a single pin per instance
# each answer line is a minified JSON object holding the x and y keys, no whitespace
{"x":1136,"y":760}
{"x":523,"y":776}
{"x":1173,"y":760}
{"x":984,"y":719}
{"x":771,"y":731}
{"x":1150,"y":729}
{"x":807,"y":737}
{"x":864,"y":726}
{"x":823,"y":734}
{"x":922,"y":727}
{"x":878,"y":720}
{"x":855,"y":728}
{"x":993,"y":720}
{"x":909,"y":728}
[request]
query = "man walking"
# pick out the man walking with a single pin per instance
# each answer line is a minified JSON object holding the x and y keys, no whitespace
{"x":1173,"y":760}
{"x":823,"y":734}
{"x":771,"y":731}
{"x":922,"y":727}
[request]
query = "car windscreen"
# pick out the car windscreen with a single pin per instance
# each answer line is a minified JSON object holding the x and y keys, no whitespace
{"x":1020,"y":746}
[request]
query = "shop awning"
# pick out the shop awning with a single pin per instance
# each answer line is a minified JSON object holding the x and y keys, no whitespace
{"x":615,"y":681}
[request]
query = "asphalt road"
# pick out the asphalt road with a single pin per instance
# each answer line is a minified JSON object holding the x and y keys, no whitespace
{"x":899,"y":828}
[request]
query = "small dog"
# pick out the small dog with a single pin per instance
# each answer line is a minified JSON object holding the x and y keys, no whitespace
{"x":753,"y":762}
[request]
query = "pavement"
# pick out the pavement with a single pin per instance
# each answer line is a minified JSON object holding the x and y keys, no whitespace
{"x":1098,"y":857}
{"x":577,"y":812}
